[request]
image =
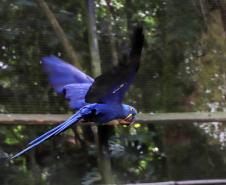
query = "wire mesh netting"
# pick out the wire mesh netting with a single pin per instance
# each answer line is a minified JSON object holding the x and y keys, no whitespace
{"x":182,"y":70}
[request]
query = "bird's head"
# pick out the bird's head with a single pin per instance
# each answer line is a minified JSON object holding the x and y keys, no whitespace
{"x":129,"y":114}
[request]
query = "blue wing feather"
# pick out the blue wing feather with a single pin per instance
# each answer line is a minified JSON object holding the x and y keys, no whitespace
{"x":111,"y":86}
{"x":60,"y":128}
{"x":75,"y":93}
{"x":61,"y":73}
{"x":67,"y":79}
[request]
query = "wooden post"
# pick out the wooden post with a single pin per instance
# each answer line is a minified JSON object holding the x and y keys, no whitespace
{"x":187,"y":182}
{"x":143,"y":118}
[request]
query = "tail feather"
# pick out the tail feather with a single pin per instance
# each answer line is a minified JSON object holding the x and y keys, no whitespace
{"x":69,"y":120}
{"x":73,"y":119}
{"x":44,"y":135}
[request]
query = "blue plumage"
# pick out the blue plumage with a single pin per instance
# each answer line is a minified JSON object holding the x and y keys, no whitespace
{"x":67,"y":79}
{"x":75,"y":93}
{"x":111,"y":86}
{"x":51,"y":133}
{"x":98,"y":100}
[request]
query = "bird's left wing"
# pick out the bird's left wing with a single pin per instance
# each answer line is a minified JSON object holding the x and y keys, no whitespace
{"x":67,"y":79}
{"x":58,"y":129}
{"x":110,"y":87}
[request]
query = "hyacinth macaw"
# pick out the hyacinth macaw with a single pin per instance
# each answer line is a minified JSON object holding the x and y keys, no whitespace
{"x":98,"y":100}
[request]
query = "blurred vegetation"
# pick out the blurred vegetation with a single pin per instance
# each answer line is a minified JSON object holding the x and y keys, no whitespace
{"x":182,"y":69}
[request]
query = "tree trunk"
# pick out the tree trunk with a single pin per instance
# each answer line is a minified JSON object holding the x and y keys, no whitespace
{"x":204,"y":10}
{"x":129,"y":13}
{"x":93,"y":40}
{"x":67,"y":46}
{"x":112,"y":40}
{"x":102,"y":133}
{"x":223,"y":15}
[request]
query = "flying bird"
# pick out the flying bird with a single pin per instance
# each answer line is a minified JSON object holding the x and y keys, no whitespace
{"x":98,"y":100}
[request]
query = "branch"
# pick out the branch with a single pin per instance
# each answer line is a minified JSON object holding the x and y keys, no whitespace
{"x":60,"y":33}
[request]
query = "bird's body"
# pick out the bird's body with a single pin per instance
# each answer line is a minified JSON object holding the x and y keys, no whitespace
{"x":103,"y":113}
{"x":98,"y":100}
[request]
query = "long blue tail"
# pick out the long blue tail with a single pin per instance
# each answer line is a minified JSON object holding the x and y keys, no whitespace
{"x":60,"y":128}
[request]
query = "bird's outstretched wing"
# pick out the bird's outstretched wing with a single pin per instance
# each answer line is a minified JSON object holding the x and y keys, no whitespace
{"x":110,"y":87}
{"x":67,"y":79}
{"x":58,"y":129}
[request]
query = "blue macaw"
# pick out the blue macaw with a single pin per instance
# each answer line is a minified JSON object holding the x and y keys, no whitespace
{"x":98,"y":100}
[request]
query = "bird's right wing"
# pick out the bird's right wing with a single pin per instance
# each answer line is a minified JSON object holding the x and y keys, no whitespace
{"x":111,"y":86}
{"x":67,"y":79}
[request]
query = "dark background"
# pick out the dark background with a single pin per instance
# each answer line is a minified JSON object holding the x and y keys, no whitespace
{"x":182,"y":70}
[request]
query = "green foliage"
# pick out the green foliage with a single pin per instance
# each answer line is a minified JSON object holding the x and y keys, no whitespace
{"x":182,"y":69}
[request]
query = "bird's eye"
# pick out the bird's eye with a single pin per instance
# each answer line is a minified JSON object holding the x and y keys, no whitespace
{"x":132,"y":109}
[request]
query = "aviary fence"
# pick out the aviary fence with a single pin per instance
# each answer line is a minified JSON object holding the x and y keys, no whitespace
{"x":144,"y":118}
